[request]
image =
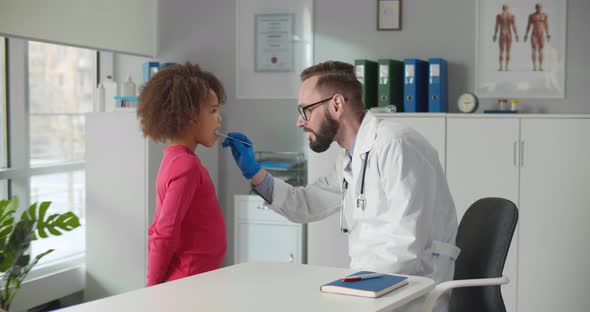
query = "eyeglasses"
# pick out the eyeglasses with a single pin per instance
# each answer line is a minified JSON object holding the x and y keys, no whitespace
{"x":302,"y":110}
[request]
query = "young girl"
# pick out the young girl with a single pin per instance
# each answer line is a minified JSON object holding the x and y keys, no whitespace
{"x":180,"y":104}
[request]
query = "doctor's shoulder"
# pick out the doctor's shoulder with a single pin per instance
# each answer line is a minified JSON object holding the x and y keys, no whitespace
{"x":390,"y":132}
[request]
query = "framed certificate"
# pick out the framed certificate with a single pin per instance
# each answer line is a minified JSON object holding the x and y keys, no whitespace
{"x":389,"y":15}
{"x":274,"y":42}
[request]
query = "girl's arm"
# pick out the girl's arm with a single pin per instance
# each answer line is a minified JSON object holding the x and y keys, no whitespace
{"x":166,"y":234}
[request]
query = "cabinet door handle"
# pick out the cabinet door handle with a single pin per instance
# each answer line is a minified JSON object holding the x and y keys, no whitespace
{"x":522,"y":153}
{"x":514,"y":151}
{"x":262,"y":207}
{"x":291,"y":258}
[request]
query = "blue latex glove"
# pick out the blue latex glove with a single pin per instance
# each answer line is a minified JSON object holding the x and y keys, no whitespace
{"x":243,"y":154}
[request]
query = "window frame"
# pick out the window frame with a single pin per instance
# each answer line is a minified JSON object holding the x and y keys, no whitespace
{"x":67,"y":272}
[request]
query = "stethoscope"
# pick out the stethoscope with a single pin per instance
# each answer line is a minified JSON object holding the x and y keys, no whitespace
{"x":361,"y":200}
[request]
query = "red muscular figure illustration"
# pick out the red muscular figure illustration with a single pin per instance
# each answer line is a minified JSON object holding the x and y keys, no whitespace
{"x":539,"y":22}
{"x":505,"y":23}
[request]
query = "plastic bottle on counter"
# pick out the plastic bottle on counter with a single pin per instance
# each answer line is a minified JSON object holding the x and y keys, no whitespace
{"x":128,"y":87}
{"x":502,"y":104}
{"x":99,"y":99}
{"x":110,"y":87}
{"x":514,"y":105}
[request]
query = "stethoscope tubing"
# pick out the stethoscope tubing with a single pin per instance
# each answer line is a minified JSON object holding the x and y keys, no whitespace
{"x":361,"y":201}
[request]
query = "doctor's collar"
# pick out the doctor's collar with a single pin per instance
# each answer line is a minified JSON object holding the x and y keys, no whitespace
{"x":351,"y":150}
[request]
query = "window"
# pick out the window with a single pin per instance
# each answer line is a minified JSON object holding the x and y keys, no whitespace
{"x":56,"y":108}
{"x":57,"y":134}
{"x":45,"y":145}
{"x":3,"y":119}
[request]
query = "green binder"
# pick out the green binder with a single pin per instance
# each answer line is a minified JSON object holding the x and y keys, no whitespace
{"x":391,"y":84}
{"x":366,"y":73}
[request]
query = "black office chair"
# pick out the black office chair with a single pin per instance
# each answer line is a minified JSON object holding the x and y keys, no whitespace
{"x":484,"y":236}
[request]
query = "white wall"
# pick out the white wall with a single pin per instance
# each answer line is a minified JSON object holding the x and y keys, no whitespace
{"x":444,"y":29}
{"x":128,"y":26}
{"x":203,"y":32}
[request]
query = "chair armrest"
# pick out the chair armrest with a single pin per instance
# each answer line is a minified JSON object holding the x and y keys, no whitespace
{"x":441,"y":288}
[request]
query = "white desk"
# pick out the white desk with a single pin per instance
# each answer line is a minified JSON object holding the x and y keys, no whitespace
{"x":261,"y":286}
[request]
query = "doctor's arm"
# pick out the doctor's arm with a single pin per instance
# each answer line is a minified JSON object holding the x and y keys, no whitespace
{"x":314,"y":202}
{"x":298,"y":204}
{"x":407,"y":180}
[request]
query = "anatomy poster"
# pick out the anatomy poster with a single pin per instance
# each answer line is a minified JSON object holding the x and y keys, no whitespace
{"x":520,"y":50}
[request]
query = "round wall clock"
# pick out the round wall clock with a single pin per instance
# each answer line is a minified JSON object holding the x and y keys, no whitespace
{"x":467,"y":103}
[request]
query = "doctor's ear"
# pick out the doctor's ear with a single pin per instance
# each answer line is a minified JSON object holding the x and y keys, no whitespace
{"x":338,"y":102}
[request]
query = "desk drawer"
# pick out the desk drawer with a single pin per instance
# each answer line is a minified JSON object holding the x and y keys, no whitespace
{"x":252,"y":208}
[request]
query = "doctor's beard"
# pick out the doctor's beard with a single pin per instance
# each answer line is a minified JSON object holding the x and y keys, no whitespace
{"x":325,"y":137}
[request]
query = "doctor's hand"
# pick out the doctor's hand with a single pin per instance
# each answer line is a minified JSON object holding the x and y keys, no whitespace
{"x":243,"y":154}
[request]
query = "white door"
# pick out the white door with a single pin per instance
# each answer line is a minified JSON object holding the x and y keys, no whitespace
{"x":553,"y":272}
{"x":482,"y":161}
{"x":268,"y":242}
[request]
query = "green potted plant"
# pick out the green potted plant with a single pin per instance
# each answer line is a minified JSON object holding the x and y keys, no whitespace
{"x":16,"y":238}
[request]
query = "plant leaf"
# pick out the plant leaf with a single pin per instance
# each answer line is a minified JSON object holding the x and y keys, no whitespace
{"x":6,"y":226}
{"x":43,"y":209}
{"x":55,"y":224}
{"x":18,"y":243}
{"x":7,"y":209}
{"x":21,"y":277}
{"x":30,"y":213}
{"x":12,"y":204}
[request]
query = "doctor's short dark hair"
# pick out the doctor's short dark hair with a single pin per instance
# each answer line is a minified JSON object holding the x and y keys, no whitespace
{"x":173,"y":97}
{"x":337,"y":77}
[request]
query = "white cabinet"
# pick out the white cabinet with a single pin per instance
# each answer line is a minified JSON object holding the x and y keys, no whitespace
{"x":121,"y":170}
{"x":326,"y":244}
{"x":541,"y":164}
{"x":121,"y":166}
{"x":553,"y":253}
{"x":482,"y":161}
{"x":263,"y":235}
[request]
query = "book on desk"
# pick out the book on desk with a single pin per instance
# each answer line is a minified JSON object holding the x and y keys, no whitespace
{"x":372,"y":287}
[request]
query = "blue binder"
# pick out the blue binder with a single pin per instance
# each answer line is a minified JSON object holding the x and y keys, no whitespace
{"x":438,"y":86}
{"x":415,"y":86}
{"x":150,"y":69}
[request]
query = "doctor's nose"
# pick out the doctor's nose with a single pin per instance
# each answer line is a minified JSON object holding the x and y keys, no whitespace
{"x":300,"y":121}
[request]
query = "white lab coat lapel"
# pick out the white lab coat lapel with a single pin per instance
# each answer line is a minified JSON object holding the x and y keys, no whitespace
{"x":363,"y":144}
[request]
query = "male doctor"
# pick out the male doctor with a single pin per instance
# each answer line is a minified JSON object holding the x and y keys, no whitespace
{"x":389,"y":186}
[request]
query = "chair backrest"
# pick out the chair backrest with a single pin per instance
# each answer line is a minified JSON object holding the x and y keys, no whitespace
{"x":484,"y":236}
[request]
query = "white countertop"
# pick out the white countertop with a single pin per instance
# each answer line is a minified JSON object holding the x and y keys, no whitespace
{"x":256,"y":286}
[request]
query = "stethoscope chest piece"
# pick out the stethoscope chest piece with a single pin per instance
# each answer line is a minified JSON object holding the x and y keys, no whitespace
{"x":361,"y":202}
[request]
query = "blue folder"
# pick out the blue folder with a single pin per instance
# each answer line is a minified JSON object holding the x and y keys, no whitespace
{"x":438,"y":86}
{"x":415,"y":86}
{"x":373,"y":287}
{"x":149,"y":70}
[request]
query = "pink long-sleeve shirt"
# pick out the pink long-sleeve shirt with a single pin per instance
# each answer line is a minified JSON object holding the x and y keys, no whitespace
{"x":187,"y":236}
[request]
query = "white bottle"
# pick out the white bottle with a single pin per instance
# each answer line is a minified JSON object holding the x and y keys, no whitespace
{"x":99,"y":100}
{"x":128,"y":87}
{"x":110,"y":87}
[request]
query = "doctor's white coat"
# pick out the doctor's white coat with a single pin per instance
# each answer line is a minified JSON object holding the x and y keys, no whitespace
{"x":409,"y":223}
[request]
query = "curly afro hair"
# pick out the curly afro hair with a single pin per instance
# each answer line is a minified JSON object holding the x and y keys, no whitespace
{"x":172,"y":98}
